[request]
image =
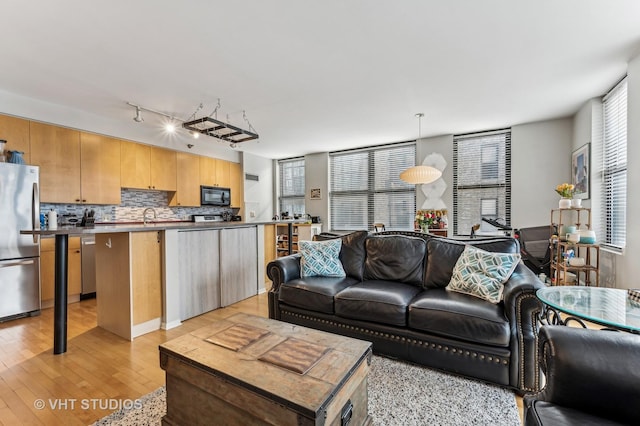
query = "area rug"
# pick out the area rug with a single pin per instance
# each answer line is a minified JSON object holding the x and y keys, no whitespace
{"x":399,"y":394}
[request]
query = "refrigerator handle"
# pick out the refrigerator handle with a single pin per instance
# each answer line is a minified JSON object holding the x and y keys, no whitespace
{"x":35,"y":200}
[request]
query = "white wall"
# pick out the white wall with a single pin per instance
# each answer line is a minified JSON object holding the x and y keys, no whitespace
{"x":258,"y":196}
{"x":316,"y":170}
{"x":540,"y":160}
{"x":442,"y":145}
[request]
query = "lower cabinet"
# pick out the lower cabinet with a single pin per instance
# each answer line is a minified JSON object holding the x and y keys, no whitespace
{"x":47,"y":270}
{"x":216,"y":268}
{"x":129,"y":282}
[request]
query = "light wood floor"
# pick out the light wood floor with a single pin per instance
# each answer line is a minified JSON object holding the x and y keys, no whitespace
{"x":97,"y":368}
{"x":98,"y":365}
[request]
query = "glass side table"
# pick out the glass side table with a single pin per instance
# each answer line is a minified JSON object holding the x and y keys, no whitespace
{"x":609,"y":307}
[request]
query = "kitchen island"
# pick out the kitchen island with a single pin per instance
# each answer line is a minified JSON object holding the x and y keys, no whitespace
{"x":203,"y":266}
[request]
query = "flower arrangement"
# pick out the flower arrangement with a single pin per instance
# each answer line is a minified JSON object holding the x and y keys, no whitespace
{"x":426,"y":219}
{"x":565,"y":190}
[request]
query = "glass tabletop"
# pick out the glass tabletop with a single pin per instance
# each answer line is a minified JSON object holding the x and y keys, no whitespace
{"x":610,"y":307}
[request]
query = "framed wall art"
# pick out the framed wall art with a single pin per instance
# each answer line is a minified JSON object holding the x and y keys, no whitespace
{"x":316,"y":194}
{"x":581,"y":170}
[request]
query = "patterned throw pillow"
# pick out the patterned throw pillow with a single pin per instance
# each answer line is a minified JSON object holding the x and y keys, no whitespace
{"x":482,"y":274}
{"x":321,"y":258}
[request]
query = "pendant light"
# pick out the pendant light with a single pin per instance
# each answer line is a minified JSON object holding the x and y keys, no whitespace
{"x":419,"y":175}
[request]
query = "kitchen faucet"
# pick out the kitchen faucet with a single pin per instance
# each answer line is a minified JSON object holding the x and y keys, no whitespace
{"x":144,"y":214}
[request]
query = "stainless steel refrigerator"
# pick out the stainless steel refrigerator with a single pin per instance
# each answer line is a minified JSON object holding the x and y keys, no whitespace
{"x":19,"y":254}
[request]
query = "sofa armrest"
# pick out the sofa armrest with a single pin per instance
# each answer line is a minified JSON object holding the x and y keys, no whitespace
{"x":523,"y":310}
{"x":282,"y":270}
{"x":594,"y":371}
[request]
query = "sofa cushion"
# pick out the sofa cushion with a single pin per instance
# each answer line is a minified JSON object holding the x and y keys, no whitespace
{"x":395,"y":258}
{"x":313,"y":293}
{"x":482,"y":274}
{"x":444,"y":253}
{"x":352,"y":254}
{"x":459,"y":316}
{"x":377,"y":301}
{"x":547,"y":413}
{"x":320,"y":258}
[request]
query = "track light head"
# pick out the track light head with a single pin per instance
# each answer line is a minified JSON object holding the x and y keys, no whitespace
{"x":138,"y":118}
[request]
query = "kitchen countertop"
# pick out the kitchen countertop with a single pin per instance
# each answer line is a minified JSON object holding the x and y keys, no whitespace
{"x":141,"y":227}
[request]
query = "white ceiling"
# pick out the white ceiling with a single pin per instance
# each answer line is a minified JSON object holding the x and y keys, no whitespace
{"x":317,"y":76}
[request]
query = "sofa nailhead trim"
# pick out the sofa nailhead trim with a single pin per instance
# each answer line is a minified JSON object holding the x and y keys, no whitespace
{"x":439,"y":347}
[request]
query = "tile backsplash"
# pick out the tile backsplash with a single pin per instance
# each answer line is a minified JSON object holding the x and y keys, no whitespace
{"x":133,"y":203}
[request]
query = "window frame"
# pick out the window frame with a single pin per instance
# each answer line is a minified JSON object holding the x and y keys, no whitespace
{"x":612,"y":192}
{"x":371,"y":192}
{"x":483,"y":181}
{"x":291,"y":197}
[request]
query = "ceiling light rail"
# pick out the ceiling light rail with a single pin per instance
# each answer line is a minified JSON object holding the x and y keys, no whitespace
{"x":206,"y":125}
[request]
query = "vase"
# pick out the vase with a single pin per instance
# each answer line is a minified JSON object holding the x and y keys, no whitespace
{"x":564,"y":203}
{"x":16,"y":157}
{"x":425,"y":228}
{"x":576,"y":202}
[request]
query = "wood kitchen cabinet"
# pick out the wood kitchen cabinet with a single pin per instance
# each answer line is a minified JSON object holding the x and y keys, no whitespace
{"x":147,"y":167}
{"x":16,"y":132}
{"x":99,"y":169}
{"x":187,"y":180}
{"x":208,"y":171}
{"x":75,"y":167}
{"x":47,"y":271}
{"x":56,"y":150}
{"x":236,"y":180}
{"x":222,"y":173}
{"x":129,"y":282}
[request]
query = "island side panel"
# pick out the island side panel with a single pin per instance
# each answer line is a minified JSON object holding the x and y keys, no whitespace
{"x":199,"y":272}
{"x":238,"y":264}
{"x":113,"y":283}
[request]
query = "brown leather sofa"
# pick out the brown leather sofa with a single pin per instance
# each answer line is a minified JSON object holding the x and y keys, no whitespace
{"x":393,"y":295}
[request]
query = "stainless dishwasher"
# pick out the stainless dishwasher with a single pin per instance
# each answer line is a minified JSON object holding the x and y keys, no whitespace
{"x":88,"y":247}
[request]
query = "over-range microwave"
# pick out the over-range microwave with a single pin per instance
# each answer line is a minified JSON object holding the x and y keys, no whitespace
{"x":215,"y":196}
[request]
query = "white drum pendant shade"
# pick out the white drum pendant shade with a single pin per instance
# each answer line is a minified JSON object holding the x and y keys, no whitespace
{"x":420,"y":175}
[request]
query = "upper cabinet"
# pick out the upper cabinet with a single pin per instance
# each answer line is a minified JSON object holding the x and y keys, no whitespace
{"x":57,"y":151}
{"x":235,"y":183}
{"x":163,"y":169}
{"x":222,"y":173}
{"x":99,"y":169}
{"x":208,"y":171}
{"x":188,"y":180}
{"x":75,"y":167}
{"x":147,"y":167}
{"x":16,"y":132}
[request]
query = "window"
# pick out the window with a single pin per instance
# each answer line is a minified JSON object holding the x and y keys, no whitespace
{"x":481,"y":181}
{"x":614,"y":167}
{"x":292,"y":186}
{"x":365,"y":188}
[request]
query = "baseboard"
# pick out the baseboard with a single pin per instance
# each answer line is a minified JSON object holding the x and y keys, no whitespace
{"x":170,"y":325}
{"x":145,"y":327}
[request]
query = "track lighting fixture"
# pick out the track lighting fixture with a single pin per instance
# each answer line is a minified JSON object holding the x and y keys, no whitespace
{"x":207,"y":125}
{"x":138,"y":118}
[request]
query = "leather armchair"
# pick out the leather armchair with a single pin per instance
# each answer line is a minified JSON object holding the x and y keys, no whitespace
{"x":593,"y":378}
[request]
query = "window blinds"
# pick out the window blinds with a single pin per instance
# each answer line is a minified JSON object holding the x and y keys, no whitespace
{"x":614,"y":166}
{"x":365,"y":188}
{"x":481,"y":181}
{"x":292,"y":186}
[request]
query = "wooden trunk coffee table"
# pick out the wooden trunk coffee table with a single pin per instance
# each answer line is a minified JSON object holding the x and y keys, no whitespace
{"x":248,"y":370}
